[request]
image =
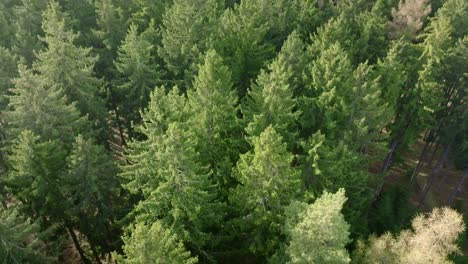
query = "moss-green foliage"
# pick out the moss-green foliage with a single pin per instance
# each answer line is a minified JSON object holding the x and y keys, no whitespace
{"x":213,"y":131}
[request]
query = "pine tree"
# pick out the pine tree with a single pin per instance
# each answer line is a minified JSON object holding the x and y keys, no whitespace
{"x":431,"y":240}
{"x":271,"y":99}
{"x":186,"y":29}
{"x":90,"y":182}
{"x":70,"y":67}
{"x":148,"y":10}
{"x":408,"y":18}
{"x":268,"y":183}
{"x":319,"y":233}
{"x":154,"y":244}
{"x":138,"y":75}
{"x":42,"y":109}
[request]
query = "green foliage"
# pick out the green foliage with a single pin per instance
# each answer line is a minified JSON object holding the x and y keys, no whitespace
{"x":241,"y":40}
{"x":70,"y":67}
{"x":154,"y":244}
{"x":268,"y":183}
{"x":27,"y":28}
{"x":36,"y":106}
{"x":186,"y":29}
{"x":21,"y":240}
{"x":334,"y":166}
{"x":8,"y":71}
{"x":90,"y":182}
{"x":139,"y":76}
{"x":319,"y":233}
{"x":34,"y":177}
{"x":270,"y":101}
{"x":391,"y":211}
{"x":213,"y":117}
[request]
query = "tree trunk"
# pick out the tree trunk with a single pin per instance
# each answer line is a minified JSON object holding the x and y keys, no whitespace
{"x":458,"y":190}
{"x":95,"y":254}
{"x":434,"y":173}
{"x":434,"y":153}
{"x":387,"y":163}
{"x":117,"y":116}
{"x":76,"y":242}
{"x":420,"y":162}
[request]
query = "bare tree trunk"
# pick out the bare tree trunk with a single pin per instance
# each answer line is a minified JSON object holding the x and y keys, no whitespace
{"x":433,"y":154}
{"x":420,"y":161}
{"x":458,"y":190}
{"x":76,"y":242}
{"x":387,"y":163}
{"x":434,"y":174}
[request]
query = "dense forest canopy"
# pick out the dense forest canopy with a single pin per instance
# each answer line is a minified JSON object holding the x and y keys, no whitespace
{"x":233,"y":131}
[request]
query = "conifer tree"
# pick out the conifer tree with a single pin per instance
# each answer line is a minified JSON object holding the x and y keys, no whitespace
{"x":336,"y":165}
{"x":319,"y":233}
{"x":268,"y":183}
{"x":213,"y":104}
{"x":154,"y":244}
{"x":8,"y":71}
{"x":90,"y":182}
{"x":70,"y":67}
{"x":408,"y":18}
{"x":27,"y":29}
{"x":21,"y":240}
{"x":241,"y":40}
{"x":41,"y":108}
{"x":138,"y":73}
{"x":271,"y":99}
{"x":163,"y":110}
{"x":185,"y":197}
{"x":34,"y":175}
{"x":186,"y":29}
{"x":325,"y":104}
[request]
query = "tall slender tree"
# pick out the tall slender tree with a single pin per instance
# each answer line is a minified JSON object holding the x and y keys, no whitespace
{"x":268,"y":183}
{"x":138,"y":75}
{"x":70,"y":67}
{"x":213,"y":103}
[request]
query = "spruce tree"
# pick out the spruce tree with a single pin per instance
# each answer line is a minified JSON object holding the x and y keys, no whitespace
{"x":185,"y":197}
{"x":8,"y":71}
{"x":42,"y":109}
{"x":34,"y":177}
{"x":319,"y":233}
{"x":186,"y":29}
{"x":154,"y":244}
{"x":241,"y":40}
{"x":213,"y":107}
{"x":70,"y":67}
{"x":138,"y":75}
{"x":89,"y":180}
{"x":268,"y":183}
{"x":22,"y":241}
{"x":271,"y":99}
{"x":27,"y":29}
{"x":335,"y":165}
